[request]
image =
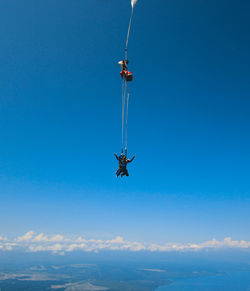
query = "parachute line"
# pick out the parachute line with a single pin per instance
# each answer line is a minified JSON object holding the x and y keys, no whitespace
{"x":125,"y":103}
{"x":126,"y":136}
{"x":124,"y":87}
{"x":129,"y":28}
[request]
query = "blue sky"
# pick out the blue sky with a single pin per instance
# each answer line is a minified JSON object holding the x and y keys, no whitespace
{"x":60,"y":115}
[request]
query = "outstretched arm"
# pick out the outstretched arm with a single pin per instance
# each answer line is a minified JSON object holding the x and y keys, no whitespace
{"x":129,"y":161}
{"x":116,"y":157}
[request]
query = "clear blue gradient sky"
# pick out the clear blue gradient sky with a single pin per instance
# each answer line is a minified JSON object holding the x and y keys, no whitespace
{"x":189,"y":119}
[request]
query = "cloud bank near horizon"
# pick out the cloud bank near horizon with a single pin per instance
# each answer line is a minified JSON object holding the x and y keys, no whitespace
{"x":59,"y":244}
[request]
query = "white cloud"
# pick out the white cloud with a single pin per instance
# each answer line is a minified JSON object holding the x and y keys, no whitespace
{"x":32,"y":242}
{"x":28,"y":236}
{"x":81,"y":239}
{"x":118,"y":240}
{"x":41,"y":248}
{"x":40,"y":237}
{"x":57,"y":237}
{"x":74,"y":247}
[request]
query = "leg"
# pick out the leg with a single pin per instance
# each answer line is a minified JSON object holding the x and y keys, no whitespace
{"x":118,"y":172}
{"x":125,"y":173}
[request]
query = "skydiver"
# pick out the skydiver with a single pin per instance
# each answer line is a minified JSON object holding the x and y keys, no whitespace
{"x":123,"y":161}
{"x":124,"y":65}
{"x":125,"y":74}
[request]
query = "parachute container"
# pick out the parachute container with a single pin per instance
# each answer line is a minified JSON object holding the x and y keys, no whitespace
{"x":127,"y":75}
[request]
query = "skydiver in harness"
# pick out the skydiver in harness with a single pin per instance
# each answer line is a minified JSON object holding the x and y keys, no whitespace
{"x":125,"y":74}
{"x":123,"y":161}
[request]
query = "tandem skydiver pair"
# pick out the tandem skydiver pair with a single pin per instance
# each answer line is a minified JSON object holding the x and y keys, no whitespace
{"x":123,"y":161}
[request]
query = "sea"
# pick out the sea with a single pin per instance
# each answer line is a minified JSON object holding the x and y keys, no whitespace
{"x":234,"y":281}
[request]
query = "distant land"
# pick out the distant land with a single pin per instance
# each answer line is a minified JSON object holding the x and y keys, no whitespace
{"x":121,"y":271}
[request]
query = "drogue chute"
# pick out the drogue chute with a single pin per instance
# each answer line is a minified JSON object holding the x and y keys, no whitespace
{"x":133,"y":2}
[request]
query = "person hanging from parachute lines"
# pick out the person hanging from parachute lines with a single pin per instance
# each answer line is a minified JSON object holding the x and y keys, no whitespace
{"x":126,"y":76}
{"x":123,"y":161}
